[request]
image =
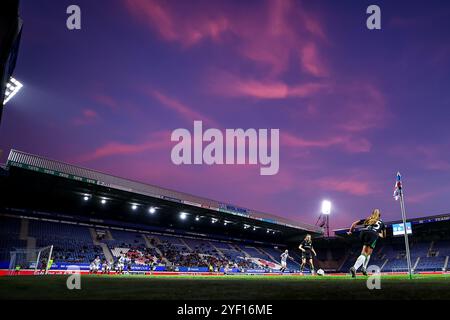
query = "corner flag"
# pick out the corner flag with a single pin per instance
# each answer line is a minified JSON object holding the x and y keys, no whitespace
{"x":398,"y":186}
{"x":398,"y":194}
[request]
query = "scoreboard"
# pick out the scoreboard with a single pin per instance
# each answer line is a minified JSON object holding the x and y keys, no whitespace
{"x":399,"y":230}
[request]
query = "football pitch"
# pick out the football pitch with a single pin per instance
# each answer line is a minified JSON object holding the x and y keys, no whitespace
{"x":230,"y":287}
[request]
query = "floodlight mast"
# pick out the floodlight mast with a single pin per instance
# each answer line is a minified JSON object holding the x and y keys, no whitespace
{"x":326,"y":207}
{"x":12,"y":87}
{"x":324,"y":217}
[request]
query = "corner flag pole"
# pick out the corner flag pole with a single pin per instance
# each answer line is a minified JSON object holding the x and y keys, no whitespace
{"x":398,"y":193}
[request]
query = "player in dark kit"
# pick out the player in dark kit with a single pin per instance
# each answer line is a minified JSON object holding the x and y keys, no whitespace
{"x":373,"y":229}
{"x":307,"y":251}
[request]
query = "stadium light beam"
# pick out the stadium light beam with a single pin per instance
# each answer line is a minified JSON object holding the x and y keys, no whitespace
{"x":325,"y":216}
{"x":12,"y":87}
{"x":326,"y":207}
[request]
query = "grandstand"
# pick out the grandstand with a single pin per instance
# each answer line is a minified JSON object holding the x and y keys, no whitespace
{"x":85,"y":214}
{"x":79,"y":243}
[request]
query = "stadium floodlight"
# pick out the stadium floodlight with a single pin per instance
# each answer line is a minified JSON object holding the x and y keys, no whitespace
{"x":326,"y":207}
{"x":183,"y":215}
{"x":86,"y":198}
{"x":197,"y":218}
{"x":103,"y":201}
{"x":246,"y":226}
{"x":254,"y":228}
{"x":214,"y":220}
{"x":225,"y":223}
{"x":134,"y":207}
{"x":152,"y":210}
{"x":268,"y":230}
{"x":12,"y":87}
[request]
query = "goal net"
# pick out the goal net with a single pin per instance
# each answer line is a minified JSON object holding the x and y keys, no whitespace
{"x":38,"y":260}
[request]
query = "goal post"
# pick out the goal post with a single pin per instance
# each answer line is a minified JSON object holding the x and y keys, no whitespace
{"x":38,"y":260}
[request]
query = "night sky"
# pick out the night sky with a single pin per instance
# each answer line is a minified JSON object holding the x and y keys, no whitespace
{"x":353,"y":106}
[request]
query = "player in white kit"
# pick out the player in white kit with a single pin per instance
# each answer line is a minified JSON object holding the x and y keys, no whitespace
{"x":284,"y":257}
{"x":95,"y":265}
{"x":121,"y":264}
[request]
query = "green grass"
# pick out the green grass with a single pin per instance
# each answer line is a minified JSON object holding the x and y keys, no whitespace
{"x":236,"y":287}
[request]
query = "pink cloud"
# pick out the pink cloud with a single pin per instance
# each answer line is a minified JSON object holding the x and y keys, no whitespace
{"x":88,"y":116}
{"x":350,"y":144}
{"x":231,"y":85}
{"x":417,"y":198}
{"x":313,"y":25}
{"x":177,"y":26}
{"x":181,"y":109}
{"x":353,"y":186}
{"x":363,"y":107}
{"x":433,"y":157}
{"x":157,"y":141}
{"x":282,"y":32}
{"x":107,"y":101}
{"x":311,"y":62}
{"x":269,"y":35}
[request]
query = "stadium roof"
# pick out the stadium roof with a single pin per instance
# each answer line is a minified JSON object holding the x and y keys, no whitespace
{"x":50,"y":167}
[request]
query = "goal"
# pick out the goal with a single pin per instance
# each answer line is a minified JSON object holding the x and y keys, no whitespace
{"x":38,"y":260}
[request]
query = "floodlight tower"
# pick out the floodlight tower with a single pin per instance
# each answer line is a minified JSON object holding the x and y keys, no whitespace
{"x":10,"y":34}
{"x":324,"y":217}
{"x":12,"y":87}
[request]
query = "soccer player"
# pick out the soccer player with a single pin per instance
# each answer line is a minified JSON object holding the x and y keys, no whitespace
{"x":43,"y":266}
{"x":96,"y":264}
{"x":50,"y":263}
{"x":121,"y":264}
{"x":226,"y":268}
{"x":104,"y":266}
{"x":129,"y":263}
{"x":92,"y":267}
{"x":307,"y":251}
{"x":109,"y":266}
{"x":284,"y":257}
{"x":17,"y":270}
{"x":373,"y":229}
